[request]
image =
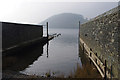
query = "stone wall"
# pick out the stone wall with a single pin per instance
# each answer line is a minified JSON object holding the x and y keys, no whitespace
{"x":14,"y":34}
{"x":101,"y":35}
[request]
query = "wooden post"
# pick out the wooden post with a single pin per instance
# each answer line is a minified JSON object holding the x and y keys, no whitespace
{"x":79,"y":29}
{"x":105,"y":70}
{"x":83,"y":48}
{"x":90,"y":54}
{"x":91,"y":57}
{"x":47,"y":30}
{"x":47,"y":49}
{"x":96,"y":58}
{"x":111,"y":72}
{"x":96,"y":54}
{"x":79,"y":35}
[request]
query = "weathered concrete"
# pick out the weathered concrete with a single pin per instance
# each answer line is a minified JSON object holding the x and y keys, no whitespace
{"x":15,"y":34}
{"x":101,"y":35}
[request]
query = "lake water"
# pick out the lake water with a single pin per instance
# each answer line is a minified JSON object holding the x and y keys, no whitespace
{"x":62,"y":56}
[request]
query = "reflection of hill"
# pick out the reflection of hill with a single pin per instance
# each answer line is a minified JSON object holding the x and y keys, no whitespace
{"x":23,"y":58}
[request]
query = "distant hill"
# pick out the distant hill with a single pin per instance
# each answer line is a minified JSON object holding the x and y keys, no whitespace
{"x":65,"y":20}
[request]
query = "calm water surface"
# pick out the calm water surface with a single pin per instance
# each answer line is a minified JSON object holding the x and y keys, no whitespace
{"x":60,"y":56}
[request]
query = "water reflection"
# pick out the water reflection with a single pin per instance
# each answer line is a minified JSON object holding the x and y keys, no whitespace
{"x":22,"y":59}
{"x":61,"y":55}
{"x":47,"y":49}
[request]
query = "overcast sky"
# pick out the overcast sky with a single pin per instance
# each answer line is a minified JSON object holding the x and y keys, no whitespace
{"x":34,"y":11}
